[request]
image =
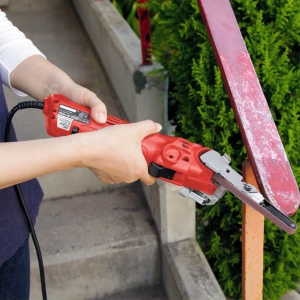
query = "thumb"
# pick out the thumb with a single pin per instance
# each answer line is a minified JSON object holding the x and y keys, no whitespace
{"x":98,"y":110}
{"x":83,"y":96}
{"x":147,"y":127}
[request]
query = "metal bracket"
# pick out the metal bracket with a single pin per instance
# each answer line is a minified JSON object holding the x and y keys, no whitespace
{"x":220,"y":165}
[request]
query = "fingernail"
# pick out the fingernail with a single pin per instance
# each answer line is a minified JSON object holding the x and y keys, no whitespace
{"x":101,"y":117}
{"x":159,"y":127}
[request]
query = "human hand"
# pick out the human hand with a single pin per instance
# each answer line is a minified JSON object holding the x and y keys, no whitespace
{"x":114,"y":153}
{"x":39,"y":78}
{"x":85,"y":97}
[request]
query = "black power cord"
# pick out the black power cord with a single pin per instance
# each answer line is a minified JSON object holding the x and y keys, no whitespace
{"x":24,"y":105}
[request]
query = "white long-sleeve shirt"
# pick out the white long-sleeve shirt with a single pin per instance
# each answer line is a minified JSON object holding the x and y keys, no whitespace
{"x":14,"y":48}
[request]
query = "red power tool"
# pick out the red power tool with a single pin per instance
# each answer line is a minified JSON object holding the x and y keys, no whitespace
{"x":203,"y":173}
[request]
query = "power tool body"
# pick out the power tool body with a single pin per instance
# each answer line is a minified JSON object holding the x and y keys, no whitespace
{"x":203,"y":173}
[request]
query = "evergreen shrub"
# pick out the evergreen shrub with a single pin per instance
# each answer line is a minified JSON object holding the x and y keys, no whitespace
{"x":271,"y":30}
{"x":128,"y":10}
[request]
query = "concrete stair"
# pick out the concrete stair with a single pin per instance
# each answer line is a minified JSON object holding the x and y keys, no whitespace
{"x":97,"y":245}
{"x":143,"y":293}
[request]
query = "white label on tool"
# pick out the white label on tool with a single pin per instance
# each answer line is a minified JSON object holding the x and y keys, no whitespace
{"x":64,"y":122}
{"x":66,"y":115}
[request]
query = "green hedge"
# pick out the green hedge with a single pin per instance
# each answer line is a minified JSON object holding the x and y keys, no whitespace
{"x":128,"y":10}
{"x":271,"y":29}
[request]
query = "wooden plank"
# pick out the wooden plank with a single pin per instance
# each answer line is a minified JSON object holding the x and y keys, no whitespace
{"x":261,"y":138}
{"x":252,"y":245}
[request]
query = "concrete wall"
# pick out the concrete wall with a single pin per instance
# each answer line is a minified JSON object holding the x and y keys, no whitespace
{"x":120,"y":52}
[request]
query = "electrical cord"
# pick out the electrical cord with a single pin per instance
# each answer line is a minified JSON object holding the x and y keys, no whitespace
{"x":24,"y":105}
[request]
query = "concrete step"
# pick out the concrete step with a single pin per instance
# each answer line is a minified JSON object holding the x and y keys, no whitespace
{"x":96,"y":245}
{"x":142,"y":293}
{"x":292,"y":295}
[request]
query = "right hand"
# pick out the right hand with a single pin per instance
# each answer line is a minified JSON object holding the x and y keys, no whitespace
{"x":114,"y":153}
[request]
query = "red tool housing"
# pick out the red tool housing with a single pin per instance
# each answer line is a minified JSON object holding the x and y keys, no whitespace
{"x":172,"y":159}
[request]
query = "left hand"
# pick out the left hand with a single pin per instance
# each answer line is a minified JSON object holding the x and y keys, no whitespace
{"x":39,"y":78}
{"x":83,"y":96}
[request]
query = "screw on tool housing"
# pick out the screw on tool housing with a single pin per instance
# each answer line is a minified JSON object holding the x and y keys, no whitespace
{"x":247,"y":187}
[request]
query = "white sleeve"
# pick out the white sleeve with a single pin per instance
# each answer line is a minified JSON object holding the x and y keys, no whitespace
{"x":14,"y":48}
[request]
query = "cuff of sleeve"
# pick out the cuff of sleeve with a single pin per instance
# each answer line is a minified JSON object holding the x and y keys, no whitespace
{"x":11,"y":58}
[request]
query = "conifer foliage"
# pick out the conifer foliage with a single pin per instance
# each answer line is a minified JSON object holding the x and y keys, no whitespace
{"x":271,"y":30}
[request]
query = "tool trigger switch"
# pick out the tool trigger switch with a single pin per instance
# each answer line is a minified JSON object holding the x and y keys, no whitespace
{"x":159,"y":171}
{"x":75,"y":130}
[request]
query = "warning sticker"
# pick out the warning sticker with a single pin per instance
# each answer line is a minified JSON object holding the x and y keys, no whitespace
{"x":66,"y":115}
